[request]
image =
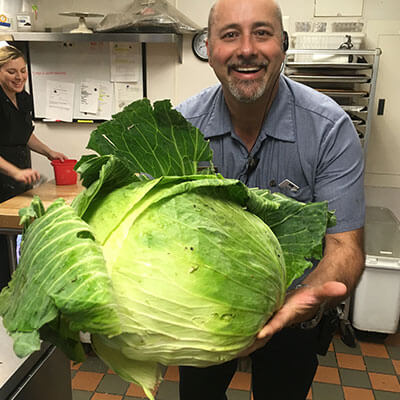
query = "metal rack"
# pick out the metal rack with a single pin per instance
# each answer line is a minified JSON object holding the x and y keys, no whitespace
{"x":347,"y":76}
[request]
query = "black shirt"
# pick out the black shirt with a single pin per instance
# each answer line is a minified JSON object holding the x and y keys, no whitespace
{"x":15,"y":130}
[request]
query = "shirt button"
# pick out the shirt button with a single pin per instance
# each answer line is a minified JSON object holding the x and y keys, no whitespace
{"x":272,"y":183}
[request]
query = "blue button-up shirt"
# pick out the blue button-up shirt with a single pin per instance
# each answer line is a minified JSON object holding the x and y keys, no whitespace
{"x":306,"y":138}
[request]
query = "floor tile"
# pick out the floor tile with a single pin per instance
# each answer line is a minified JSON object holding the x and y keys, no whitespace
{"x":386,"y":382}
{"x":241,"y":381}
{"x":382,"y":365}
{"x":75,"y":366}
{"x":112,"y":384}
{"x":86,"y":380}
{"x":350,"y":361}
{"x":327,"y":375}
{"x":393,"y":340}
{"x":396,"y":365}
{"x":366,"y":373}
{"x":81,"y":395}
{"x":234,"y":395}
{"x":105,"y":396}
{"x":328,"y":360}
{"x":352,"y":393}
{"x":168,"y":390}
{"x":340,"y":347}
{"x":135,"y":391}
{"x":244,"y":364}
{"x":172,"y":374}
{"x":394,"y":352}
{"x":374,"y":349}
{"x":380,"y":395}
{"x":327,"y":391}
{"x":135,"y":398}
{"x":93,"y":364}
{"x":351,"y":377}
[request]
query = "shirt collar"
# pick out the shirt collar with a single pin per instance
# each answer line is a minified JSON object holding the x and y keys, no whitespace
{"x":274,"y":125}
{"x":219,"y":122}
{"x":24,"y":100}
{"x":3,"y":93}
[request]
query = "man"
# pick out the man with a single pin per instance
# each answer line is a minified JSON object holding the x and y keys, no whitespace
{"x":271,"y":132}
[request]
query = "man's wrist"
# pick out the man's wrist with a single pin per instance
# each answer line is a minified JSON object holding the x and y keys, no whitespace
{"x":315,"y":320}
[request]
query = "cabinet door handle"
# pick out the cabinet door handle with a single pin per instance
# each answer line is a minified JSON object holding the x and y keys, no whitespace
{"x":381,"y":106}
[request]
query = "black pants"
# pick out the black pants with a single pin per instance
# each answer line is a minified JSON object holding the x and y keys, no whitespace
{"x":4,"y":262}
{"x":283,"y":369}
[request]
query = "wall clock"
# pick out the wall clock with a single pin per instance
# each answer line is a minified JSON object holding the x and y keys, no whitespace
{"x":199,"y":45}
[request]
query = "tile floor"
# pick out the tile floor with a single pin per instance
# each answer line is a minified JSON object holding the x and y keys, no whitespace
{"x":369,"y":371}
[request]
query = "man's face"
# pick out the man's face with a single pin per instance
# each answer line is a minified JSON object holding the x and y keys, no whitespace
{"x":13,"y":75}
{"x":245,"y":47}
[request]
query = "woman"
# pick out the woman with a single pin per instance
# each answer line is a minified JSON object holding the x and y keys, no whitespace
{"x":16,"y":128}
{"x":16,"y":138}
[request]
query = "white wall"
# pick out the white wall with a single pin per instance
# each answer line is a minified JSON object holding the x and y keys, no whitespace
{"x":169,"y":79}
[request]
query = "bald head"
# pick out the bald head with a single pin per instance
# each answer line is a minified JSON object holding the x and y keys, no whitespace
{"x":214,"y":11}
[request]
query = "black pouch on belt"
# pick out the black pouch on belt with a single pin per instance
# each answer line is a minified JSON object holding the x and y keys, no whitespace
{"x":328,"y":326}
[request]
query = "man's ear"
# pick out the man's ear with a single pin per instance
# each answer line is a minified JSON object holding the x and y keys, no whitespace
{"x":208,"y":50}
{"x":285,"y":41}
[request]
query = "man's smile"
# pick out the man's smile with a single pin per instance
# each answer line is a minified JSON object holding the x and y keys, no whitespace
{"x":247,"y":71}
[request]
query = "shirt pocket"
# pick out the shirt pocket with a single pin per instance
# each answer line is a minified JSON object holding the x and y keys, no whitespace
{"x":303,"y":194}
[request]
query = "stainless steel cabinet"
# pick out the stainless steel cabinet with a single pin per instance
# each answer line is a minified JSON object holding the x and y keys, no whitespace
{"x":44,"y":375}
{"x":347,"y":76}
{"x":96,"y":37}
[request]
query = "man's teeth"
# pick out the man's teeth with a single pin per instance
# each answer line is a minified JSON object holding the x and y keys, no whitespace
{"x":247,"y":69}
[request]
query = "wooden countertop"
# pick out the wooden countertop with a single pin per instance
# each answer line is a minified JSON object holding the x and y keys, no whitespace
{"x":48,"y":192}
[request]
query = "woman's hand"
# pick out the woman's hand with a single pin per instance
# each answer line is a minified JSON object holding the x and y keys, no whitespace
{"x":55,"y":155}
{"x":27,"y":176}
{"x":39,"y":147}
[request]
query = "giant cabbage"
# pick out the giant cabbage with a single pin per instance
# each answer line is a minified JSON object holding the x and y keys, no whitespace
{"x":161,"y":264}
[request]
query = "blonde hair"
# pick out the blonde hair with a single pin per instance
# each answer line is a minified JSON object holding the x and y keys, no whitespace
{"x":8,"y":53}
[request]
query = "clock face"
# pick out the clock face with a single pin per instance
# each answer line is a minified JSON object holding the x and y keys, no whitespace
{"x":199,"y":45}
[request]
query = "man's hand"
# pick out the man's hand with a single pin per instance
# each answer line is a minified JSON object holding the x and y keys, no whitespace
{"x":300,"y":305}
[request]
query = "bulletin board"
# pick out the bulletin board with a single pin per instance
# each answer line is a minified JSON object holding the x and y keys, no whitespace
{"x":77,"y":62}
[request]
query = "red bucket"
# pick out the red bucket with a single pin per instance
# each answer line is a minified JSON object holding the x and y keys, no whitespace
{"x":64,"y":172}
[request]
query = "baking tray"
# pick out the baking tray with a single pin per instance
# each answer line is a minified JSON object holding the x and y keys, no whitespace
{"x":358,"y":122}
{"x":330,"y":78}
{"x":353,"y":66}
{"x":355,"y":108}
{"x":343,"y":93}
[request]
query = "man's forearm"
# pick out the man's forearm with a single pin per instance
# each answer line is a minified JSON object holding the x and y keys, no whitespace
{"x":343,"y":260}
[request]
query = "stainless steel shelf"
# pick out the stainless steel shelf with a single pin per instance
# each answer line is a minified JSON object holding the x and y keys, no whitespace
{"x":96,"y":37}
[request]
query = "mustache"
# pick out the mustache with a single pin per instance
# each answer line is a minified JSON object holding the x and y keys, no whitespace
{"x":248,"y":63}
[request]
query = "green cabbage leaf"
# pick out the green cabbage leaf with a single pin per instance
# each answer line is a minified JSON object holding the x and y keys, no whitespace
{"x":161,"y":263}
